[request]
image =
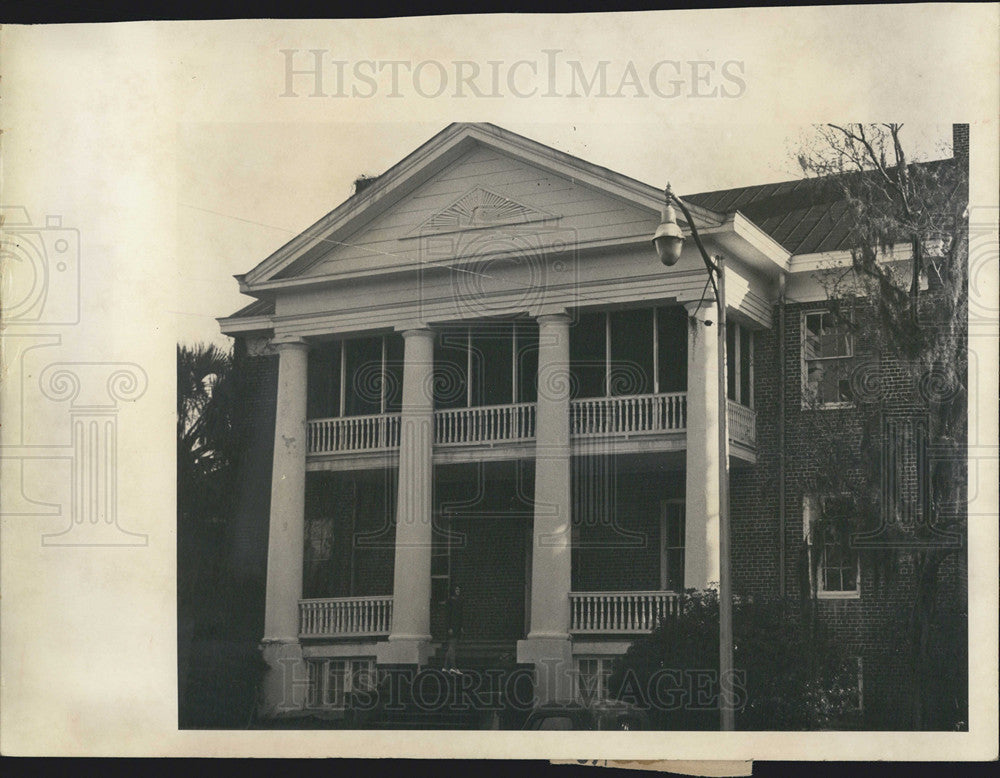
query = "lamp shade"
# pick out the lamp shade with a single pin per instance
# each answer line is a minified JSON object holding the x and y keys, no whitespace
{"x":668,"y":238}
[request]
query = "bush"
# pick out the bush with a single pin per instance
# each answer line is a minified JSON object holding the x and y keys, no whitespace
{"x":790,"y":675}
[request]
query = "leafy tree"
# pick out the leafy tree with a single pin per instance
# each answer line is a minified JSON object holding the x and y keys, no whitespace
{"x":904,"y":298}
{"x":791,"y":674}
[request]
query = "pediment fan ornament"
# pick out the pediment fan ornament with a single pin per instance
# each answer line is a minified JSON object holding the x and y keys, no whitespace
{"x":481,"y":208}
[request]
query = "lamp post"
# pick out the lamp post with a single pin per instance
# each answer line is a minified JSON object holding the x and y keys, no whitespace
{"x":668,"y":241}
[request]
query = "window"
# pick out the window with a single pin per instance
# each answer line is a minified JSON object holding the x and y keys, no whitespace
{"x":629,"y":352}
{"x":739,"y":364}
{"x":332,"y":681}
{"x":672,"y":546}
{"x":441,"y":561}
{"x":827,"y":352}
{"x":355,"y":377}
{"x":488,"y":363}
{"x":834,"y":568}
{"x":592,"y":676}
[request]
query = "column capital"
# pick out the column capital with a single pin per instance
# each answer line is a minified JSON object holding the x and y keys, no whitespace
{"x":418,"y":331}
{"x":289,"y":342}
{"x":694,"y":307}
{"x":554,"y":318}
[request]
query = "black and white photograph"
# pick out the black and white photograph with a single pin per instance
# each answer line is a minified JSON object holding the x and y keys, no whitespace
{"x":568,"y":387}
{"x":510,"y":440}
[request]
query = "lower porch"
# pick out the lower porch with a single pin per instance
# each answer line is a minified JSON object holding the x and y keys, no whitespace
{"x":627,"y":554}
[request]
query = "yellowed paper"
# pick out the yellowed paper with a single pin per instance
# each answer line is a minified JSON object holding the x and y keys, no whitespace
{"x":154,"y":161}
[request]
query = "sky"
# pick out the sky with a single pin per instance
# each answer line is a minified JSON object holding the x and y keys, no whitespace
{"x":244,"y":190}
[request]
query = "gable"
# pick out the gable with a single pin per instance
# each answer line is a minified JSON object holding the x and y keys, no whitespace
{"x":483,"y":190}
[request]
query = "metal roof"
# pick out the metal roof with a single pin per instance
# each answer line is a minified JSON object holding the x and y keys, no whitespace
{"x":806,"y":216}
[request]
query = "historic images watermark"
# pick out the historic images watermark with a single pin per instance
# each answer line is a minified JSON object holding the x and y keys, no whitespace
{"x":546,"y":74}
{"x":41,"y":292}
{"x":361,"y":691}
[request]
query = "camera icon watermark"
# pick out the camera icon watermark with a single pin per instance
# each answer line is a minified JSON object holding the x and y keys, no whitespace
{"x":40,"y":266}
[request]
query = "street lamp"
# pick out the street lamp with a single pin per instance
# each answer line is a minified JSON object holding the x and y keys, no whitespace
{"x":668,"y":241}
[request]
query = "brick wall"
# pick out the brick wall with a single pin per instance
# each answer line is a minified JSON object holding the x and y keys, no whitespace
{"x":874,"y":625}
{"x":246,"y":544}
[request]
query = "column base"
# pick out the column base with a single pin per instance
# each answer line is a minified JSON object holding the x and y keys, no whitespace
{"x":406,"y":651}
{"x":285,"y":683}
{"x":554,"y":669}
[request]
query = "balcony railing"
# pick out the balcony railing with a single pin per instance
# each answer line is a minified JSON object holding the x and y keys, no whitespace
{"x":354,"y":433}
{"x":590,"y":417}
{"x":742,"y":424}
{"x":622,"y":415}
{"x":485,"y":424}
{"x":620,"y":612}
{"x":345,"y":617}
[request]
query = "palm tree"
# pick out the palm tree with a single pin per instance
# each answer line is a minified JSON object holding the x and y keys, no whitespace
{"x":205,"y":434}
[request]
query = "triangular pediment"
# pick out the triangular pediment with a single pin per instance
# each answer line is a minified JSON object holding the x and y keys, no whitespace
{"x":470,"y":178}
{"x":479,"y":208}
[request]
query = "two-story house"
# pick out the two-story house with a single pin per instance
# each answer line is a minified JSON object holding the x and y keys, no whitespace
{"x":486,"y":381}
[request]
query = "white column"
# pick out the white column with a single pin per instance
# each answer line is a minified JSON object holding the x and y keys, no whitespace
{"x":701,"y":537}
{"x":409,"y":640}
{"x":547,"y":645}
{"x":284,"y":684}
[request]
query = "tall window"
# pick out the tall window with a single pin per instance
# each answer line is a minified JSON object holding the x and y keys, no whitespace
{"x":672,"y":546}
{"x":355,"y":377}
{"x":834,"y":564}
{"x":827,"y":356}
{"x":492,"y":363}
{"x":739,"y":364}
{"x":629,"y":352}
{"x":441,"y":542}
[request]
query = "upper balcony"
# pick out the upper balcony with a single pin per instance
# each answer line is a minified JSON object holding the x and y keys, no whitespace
{"x":627,"y":370}
{"x":632,"y":423}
